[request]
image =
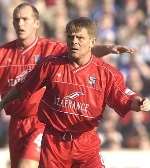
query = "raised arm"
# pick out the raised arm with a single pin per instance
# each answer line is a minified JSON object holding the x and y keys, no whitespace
{"x":102,"y":50}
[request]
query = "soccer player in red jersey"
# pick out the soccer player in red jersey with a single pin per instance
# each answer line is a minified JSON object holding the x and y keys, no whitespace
{"x":77,"y":88}
{"x":17,"y":58}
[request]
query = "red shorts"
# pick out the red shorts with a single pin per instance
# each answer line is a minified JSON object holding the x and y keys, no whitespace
{"x":80,"y":152}
{"x":25,"y":137}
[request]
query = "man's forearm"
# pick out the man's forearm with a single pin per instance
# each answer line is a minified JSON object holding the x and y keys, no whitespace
{"x":101,"y":50}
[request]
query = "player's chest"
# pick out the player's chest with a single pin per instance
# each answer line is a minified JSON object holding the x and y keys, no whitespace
{"x":18,"y":58}
{"x":80,"y":89}
{"x":88,"y":77}
{"x":16,"y":64}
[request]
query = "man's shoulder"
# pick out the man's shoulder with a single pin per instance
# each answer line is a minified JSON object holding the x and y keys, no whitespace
{"x":55,"y":59}
{"x":51,"y":42}
{"x":8,"y":45}
{"x":108,"y":68}
{"x":51,"y":47}
{"x":113,"y":71}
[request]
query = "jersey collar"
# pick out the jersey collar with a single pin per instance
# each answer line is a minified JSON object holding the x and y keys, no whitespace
{"x":28,"y":48}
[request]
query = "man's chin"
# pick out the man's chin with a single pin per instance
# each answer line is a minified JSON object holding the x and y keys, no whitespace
{"x":21,"y":37}
{"x":75,"y":56}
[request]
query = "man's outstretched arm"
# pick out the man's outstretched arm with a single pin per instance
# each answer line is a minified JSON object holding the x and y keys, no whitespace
{"x":102,"y":50}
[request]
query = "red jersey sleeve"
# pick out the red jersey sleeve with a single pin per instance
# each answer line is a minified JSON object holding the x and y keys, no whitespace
{"x":119,"y":97}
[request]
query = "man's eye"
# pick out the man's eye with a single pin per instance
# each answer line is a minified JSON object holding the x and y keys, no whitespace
{"x":16,"y":19}
{"x":80,"y":38}
{"x":70,"y":37}
{"x":19,"y":19}
{"x":25,"y":19}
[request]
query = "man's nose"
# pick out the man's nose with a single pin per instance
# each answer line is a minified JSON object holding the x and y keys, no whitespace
{"x":20,"y":22}
{"x":75,"y":39}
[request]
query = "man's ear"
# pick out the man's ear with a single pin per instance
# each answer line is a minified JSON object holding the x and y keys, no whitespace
{"x":37,"y":24}
{"x":92,"y":42}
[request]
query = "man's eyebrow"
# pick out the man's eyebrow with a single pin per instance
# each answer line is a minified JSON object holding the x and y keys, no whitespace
{"x":21,"y":17}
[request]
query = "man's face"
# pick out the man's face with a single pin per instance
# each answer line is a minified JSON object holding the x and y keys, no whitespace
{"x":80,"y":44}
{"x":25,"y":24}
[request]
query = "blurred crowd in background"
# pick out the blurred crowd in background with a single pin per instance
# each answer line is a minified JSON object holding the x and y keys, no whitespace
{"x":125,"y":22}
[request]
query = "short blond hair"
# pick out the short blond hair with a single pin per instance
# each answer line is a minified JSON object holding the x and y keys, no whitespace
{"x":77,"y":24}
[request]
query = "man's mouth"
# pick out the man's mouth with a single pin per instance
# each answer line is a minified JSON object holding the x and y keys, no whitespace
{"x":20,"y":31}
{"x":74,"y":49}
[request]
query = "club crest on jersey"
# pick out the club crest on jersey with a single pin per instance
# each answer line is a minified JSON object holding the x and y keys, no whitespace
{"x":92,"y":80}
{"x":37,"y":58}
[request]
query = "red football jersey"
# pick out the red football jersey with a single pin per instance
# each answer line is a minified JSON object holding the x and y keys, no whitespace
{"x":75,"y":97}
{"x":15,"y":63}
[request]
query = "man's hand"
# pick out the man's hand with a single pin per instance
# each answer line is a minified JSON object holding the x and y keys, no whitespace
{"x":145,"y":105}
{"x":140,"y":104}
{"x":118,"y":49}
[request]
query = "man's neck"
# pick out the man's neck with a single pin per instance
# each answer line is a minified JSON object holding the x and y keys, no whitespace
{"x":26,"y":43}
{"x":82,"y":61}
